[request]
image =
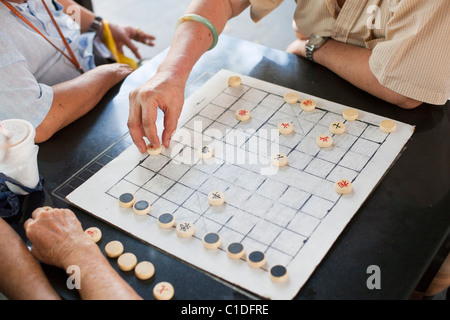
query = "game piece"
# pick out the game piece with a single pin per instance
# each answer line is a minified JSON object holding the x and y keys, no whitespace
{"x":166,"y":220}
{"x":126,"y":200}
{"x":235,"y":250}
{"x":388,"y":126}
{"x":337,"y":127}
{"x":114,"y":249}
{"x":285,"y":127}
{"x":151,"y":150}
{"x":206,"y":152}
{"x":308,"y":104}
{"x":216,"y":198}
{"x":47,"y":208}
{"x":127,"y":261}
{"x":256,"y":259}
{"x":343,"y":186}
{"x":144,"y":270}
{"x":279,"y":160}
{"x":234,"y":81}
{"x":278,"y":273}
{"x":291,"y":97}
{"x":243,"y":115}
{"x":163,"y":291}
{"x":211,"y":240}
{"x":141,"y":207}
{"x":93,"y":233}
{"x":185,"y":229}
{"x":350,"y":114}
{"x":324,"y":141}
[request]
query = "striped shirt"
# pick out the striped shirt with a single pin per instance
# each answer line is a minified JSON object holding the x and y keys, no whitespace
{"x":409,"y":39}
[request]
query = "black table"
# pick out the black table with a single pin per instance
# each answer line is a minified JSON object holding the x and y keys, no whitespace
{"x":403,"y":227}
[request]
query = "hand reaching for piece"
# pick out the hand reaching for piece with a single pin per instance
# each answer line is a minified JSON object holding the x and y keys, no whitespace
{"x":165,"y":91}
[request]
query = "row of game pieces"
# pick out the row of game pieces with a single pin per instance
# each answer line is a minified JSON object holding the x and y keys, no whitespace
{"x":211,"y":240}
{"x":127,"y":261}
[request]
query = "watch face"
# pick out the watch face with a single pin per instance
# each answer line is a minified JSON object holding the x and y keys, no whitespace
{"x":315,"y":40}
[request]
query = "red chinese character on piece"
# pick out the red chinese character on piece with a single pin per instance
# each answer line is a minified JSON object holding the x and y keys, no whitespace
{"x":242,"y":112}
{"x":325,"y":139}
{"x":308,"y":102}
{"x":286,"y":125}
{"x":343,"y":183}
{"x":163,"y":288}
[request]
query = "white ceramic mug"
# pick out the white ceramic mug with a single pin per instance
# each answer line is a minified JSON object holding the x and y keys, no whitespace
{"x":19,"y":157}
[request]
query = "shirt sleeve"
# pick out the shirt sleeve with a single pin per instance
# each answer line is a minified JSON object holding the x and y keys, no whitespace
{"x":414,"y":59}
{"x":21,"y":96}
{"x":260,"y":8}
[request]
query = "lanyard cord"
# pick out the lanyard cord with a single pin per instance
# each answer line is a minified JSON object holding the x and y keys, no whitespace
{"x":72,"y":57}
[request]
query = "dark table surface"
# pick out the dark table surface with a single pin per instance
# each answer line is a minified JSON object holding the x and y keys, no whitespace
{"x":403,"y":227}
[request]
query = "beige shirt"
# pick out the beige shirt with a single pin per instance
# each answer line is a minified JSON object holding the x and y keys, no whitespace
{"x":409,"y":39}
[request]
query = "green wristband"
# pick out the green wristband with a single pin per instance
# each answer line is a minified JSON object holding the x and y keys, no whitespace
{"x":202,"y":20}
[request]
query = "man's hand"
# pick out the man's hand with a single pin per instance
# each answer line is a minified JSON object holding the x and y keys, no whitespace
{"x":123,"y":36}
{"x":298,"y":47}
{"x":56,"y":236}
{"x":164,"y":91}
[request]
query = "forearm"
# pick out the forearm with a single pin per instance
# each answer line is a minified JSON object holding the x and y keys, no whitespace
{"x":21,"y":277}
{"x":99,"y":281}
{"x":193,"y":39}
{"x":74,"y":98}
{"x":352,"y":64}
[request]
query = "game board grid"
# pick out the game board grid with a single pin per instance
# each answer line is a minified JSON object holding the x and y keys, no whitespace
{"x":92,"y":167}
{"x":301,"y":216}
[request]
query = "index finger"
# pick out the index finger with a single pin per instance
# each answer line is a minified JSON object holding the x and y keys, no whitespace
{"x":149,"y":116}
{"x":134,"y":123}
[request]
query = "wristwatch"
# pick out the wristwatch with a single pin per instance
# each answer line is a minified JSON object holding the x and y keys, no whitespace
{"x":96,"y":24}
{"x":314,"y":43}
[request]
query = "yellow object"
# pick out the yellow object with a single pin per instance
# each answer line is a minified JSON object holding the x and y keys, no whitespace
{"x":108,"y":40}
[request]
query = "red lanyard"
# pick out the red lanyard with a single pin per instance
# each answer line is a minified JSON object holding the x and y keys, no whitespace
{"x":72,"y":57}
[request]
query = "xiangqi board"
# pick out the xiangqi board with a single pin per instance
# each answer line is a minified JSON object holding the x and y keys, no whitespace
{"x":288,"y":216}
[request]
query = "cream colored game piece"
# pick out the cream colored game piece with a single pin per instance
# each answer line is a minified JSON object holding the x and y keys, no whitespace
{"x":388,"y":126}
{"x":151,"y":150}
{"x":127,"y":261}
{"x":279,"y":160}
{"x":291,"y":97}
{"x":126,"y":200}
{"x":141,"y":207}
{"x":285,"y":127}
{"x":163,"y":291}
{"x":47,"y":208}
{"x":166,"y":220}
{"x":308,"y":104}
{"x":144,"y":270}
{"x":350,"y":114}
{"x":234,"y":81}
{"x":278,"y":273}
{"x":206,"y":152}
{"x":256,"y":259}
{"x":243,"y":115}
{"x":235,"y":250}
{"x":114,"y":249}
{"x":216,"y":198}
{"x":185,"y":229}
{"x":93,"y":233}
{"x":324,"y":141}
{"x":343,"y":186}
{"x":211,"y":240}
{"x":337,"y":127}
